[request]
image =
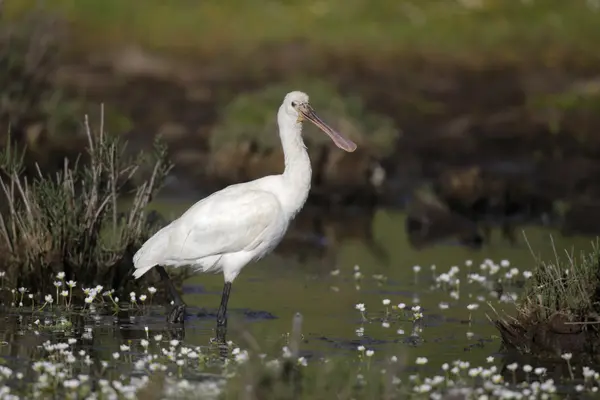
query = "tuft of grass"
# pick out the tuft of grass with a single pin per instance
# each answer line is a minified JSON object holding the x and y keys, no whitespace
{"x":70,"y":222}
{"x":568,"y":286}
{"x":251,"y":118}
{"x":559,"y":311}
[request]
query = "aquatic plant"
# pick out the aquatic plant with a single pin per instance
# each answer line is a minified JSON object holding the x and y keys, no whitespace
{"x":250,"y":118}
{"x":75,"y":354}
{"x":70,"y":222}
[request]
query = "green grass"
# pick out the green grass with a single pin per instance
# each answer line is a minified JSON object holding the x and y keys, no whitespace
{"x":567,"y":285}
{"x":560,"y":309}
{"x":505,"y":29}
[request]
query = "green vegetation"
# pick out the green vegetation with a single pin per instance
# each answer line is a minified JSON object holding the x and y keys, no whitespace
{"x":560,"y":308}
{"x":69,"y":222}
{"x":251,"y":117}
{"x":568,"y":286}
{"x":471,"y":29}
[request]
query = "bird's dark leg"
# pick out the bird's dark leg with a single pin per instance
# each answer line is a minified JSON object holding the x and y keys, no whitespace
{"x":178,"y":312}
{"x":222,"y":314}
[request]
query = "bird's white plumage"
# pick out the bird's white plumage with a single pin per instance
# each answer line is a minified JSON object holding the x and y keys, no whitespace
{"x":237,"y":224}
{"x":241,"y":223}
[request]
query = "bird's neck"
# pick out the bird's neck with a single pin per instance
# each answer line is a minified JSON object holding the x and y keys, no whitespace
{"x":297,"y":173}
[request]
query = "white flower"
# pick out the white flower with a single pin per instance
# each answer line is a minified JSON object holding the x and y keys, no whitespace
{"x":115,"y":355}
{"x":417,"y":268}
{"x":360,"y":307}
{"x":71,"y":284}
{"x":401,"y":306}
{"x":473,"y":306}
{"x":421,"y":360}
{"x":151,"y":290}
{"x":360,"y":348}
{"x":567,"y":356}
{"x":49,"y":299}
{"x":369,"y":353}
{"x":386,"y":302}
{"x":60,"y":275}
{"x":71,"y":384}
{"x":64,"y":293}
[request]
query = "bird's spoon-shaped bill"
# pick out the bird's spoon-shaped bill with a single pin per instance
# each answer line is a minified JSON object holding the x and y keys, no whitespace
{"x":339,"y":140}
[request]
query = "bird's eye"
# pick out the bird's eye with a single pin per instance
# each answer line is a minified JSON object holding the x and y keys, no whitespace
{"x":294,"y":104}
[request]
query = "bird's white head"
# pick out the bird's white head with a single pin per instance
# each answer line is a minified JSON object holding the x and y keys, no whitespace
{"x":296,"y":108}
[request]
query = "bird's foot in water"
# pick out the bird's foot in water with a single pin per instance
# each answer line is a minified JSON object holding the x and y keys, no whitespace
{"x":177,"y":314}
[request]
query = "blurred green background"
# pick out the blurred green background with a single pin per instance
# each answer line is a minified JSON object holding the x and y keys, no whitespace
{"x":492,"y":105}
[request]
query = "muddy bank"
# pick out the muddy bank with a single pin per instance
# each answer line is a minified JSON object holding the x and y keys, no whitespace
{"x":492,"y":138}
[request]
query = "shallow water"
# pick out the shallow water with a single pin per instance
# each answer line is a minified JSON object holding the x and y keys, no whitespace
{"x":298,"y":278}
{"x":314,"y":271}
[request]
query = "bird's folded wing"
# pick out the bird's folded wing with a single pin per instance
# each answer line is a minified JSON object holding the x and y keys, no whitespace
{"x":225,"y":222}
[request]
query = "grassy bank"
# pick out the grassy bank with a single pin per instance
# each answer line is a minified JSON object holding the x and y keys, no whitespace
{"x":472,"y":29}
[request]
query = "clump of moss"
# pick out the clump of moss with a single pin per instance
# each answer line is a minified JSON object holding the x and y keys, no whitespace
{"x":560,"y":308}
{"x":251,"y":118}
{"x":70,"y":222}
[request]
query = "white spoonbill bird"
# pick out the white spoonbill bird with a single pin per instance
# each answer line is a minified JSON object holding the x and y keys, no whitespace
{"x":242,"y":222}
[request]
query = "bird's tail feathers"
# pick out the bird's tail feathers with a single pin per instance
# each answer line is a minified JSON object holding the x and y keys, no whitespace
{"x":151,"y":253}
{"x":137,"y":274}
